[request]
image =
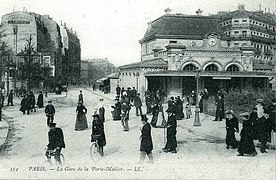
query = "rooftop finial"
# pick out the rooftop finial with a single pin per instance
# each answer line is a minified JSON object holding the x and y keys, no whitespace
{"x":241,"y":7}
{"x":199,"y":12}
{"x":168,"y":10}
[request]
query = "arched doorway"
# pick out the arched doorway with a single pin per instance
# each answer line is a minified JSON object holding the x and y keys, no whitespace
{"x":212,"y":85}
{"x":233,"y":67}
{"x":189,"y":67}
{"x":211,"y":67}
{"x":189,"y":83}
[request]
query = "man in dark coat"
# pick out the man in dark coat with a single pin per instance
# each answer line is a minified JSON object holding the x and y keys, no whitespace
{"x":23,"y":104}
{"x":56,"y":141}
{"x":98,"y":132}
{"x":220,"y":108}
{"x":80,"y":97}
{"x":118,"y":90}
{"x":133,"y":94}
{"x":100,"y":109}
{"x":179,"y":108}
{"x":148,"y":104}
{"x":32,"y":101}
{"x":171,"y":102}
{"x":138,"y":104}
{"x":264,"y":130}
{"x":10,"y":98}
{"x":50,"y":112}
{"x":171,"y":131}
{"x":146,"y":145}
{"x":40,"y":100}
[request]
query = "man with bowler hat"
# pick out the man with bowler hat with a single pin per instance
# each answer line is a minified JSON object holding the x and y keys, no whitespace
{"x":50,"y":112}
{"x":146,"y":145}
{"x":171,"y":131}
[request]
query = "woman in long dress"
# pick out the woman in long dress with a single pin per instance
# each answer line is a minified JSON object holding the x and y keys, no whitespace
{"x":232,"y":126}
{"x":246,"y":144}
{"x":81,"y":121}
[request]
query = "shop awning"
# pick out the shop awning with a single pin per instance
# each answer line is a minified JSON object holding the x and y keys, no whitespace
{"x":214,"y":74}
{"x":101,"y":80}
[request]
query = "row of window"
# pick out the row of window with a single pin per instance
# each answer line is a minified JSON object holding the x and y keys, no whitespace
{"x":244,"y":33}
{"x":245,"y":21}
{"x":130,"y":74}
{"x":212,"y":67}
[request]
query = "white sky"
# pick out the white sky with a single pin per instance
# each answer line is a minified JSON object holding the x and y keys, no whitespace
{"x":112,"y":28}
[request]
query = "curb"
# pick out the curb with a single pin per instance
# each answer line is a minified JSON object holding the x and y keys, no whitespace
{"x":4,"y":131}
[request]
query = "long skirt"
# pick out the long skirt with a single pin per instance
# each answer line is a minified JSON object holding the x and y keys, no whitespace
{"x":81,"y":122}
{"x":246,"y":145}
{"x":171,"y":138}
{"x":231,"y":139}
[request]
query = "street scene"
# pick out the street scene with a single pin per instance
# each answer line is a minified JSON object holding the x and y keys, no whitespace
{"x":201,"y":150}
{"x":137,"y":90}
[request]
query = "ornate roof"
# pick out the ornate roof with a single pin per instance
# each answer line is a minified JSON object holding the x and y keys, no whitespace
{"x":182,"y":27}
{"x":154,"y":63}
{"x":242,"y":13}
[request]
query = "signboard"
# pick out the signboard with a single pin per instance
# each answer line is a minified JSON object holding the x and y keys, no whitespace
{"x":222,"y":78}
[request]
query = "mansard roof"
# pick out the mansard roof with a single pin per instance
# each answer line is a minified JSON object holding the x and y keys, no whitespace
{"x":258,"y":15}
{"x":182,"y":27}
{"x":154,"y":63}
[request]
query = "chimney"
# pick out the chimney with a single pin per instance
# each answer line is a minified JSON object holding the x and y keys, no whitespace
{"x":64,"y":24}
{"x":168,"y":11}
{"x":241,"y":7}
{"x":265,"y":10}
{"x":61,"y":22}
{"x":260,"y":7}
{"x":199,"y":12}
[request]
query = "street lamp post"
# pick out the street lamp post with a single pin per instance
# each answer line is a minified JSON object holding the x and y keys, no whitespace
{"x":197,"y":120}
{"x":15,"y":30}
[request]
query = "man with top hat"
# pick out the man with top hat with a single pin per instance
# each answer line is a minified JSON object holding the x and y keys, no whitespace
{"x":146,"y":144}
{"x":56,"y":141}
{"x":171,"y":131}
{"x":50,"y":112}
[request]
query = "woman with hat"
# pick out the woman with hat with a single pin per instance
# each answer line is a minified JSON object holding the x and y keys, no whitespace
{"x":171,"y":131}
{"x":146,"y":145}
{"x":81,"y":121}
{"x":246,"y":144}
{"x":232,"y":126}
{"x":116,"y":113}
{"x":98,"y":131}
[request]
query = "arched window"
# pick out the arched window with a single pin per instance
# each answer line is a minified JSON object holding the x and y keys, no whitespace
{"x":189,"y":67}
{"x":211,"y":67}
{"x":233,"y":68}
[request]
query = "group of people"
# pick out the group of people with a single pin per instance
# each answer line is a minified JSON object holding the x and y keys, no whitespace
{"x":257,"y":125}
{"x":28,"y":102}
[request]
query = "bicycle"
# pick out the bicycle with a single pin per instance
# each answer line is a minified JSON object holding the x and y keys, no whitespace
{"x":49,"y":153}
{"x":95,"y":152}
